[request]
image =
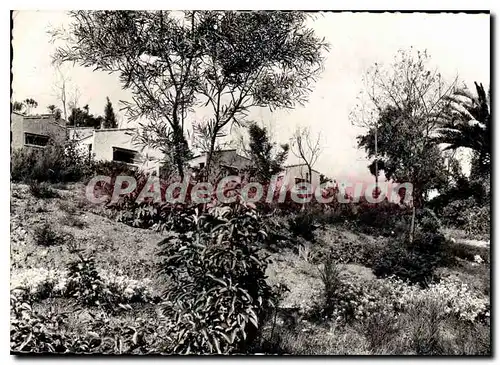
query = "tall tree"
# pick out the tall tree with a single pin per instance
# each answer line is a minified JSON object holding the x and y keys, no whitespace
{"x":306,"y":147}
{"x":109,"y":115}
{"x":267,"y":158}
{"x":401,"y":106}
{"x":227,"y":61}
{"x":467,"y":123}
{"x":60,"y":88}
{"x":254,"y":59}
{"x":406,"y":98}
{"x":156,"y":55}
{"x":81,"y":117}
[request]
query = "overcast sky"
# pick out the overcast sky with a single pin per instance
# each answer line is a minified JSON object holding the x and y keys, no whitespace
{"x":459,"y":44}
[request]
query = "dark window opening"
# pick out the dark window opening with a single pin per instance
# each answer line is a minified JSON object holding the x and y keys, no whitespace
{"x":299,"y":180}
{"x":202,"y":165}
{"x":123,"y":155}
{"x":36,"y":139}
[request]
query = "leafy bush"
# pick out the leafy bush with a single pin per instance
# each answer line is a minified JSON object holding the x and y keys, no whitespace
{"x":46,"y":236}
{"x":469,"y":215}
{"x":427,"y":220}
{"x":33,"y":331}
{"x":303,"y":224}
{"x":42,"y":191}
{"x":415,"y":261}
{"x":219,"y":294}
{"x":53,"y":163}
{"x":85,"y":283}
{"x":467,"y":252}
{"x":355,"y":252}
{"x":40,"y":283}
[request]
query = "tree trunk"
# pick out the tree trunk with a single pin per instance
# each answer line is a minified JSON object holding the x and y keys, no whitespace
{"x":412,"y":225}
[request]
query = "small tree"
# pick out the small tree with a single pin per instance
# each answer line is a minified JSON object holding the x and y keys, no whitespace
{"x":18,"y":106}
{"x":254,"y":59}
{"x":306,"y":147}
{"x":30,"y":104}
{"x":266,"y":158}
{"x":402,"y":106}
{"x":109,"y":115}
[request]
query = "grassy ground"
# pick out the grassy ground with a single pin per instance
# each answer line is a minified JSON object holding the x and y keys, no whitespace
{"x":131,"y":252}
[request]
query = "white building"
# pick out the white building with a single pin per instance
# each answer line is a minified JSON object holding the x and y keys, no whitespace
{"x":118,"y":145}
{"x":294,"y":174}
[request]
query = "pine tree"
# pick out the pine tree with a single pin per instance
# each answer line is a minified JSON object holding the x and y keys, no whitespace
{"x":109,"y":115}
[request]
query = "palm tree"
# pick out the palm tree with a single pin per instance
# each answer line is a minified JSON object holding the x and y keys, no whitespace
{"x":52,"y":108}
{"x":467,"y":123}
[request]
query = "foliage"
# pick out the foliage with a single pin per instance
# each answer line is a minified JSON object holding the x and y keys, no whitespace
{"x":37,"y":331}
{"x":46,"y":236}
{"x":219,"y":295}
{"x":467,"y":123}
{"x":81,"y":117}
{"x":34,"y":332}
{"x":303,"y":224}
{"x":109,"y":116}
{"x":42,"y":190}
{"x":85,"y":283}
{"x":17,"y":106}
{"x":266,"y":161}
{"x":307,"y":148}
{"x":468,"y":215}
{"x":330,"y":278}
{"x":415,"y":261}
{"x":206,"y":57}
{"x":54,"y":163}
{"x":402,"y":105}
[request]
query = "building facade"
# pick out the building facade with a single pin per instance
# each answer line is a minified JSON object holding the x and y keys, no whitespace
{"x":294,"y":174}
{"x":36,"y":131}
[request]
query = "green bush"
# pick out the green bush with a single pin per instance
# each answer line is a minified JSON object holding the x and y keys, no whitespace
{"x":53,"y":163}
{"x":45,"y":235}
{"x":34,"y":332}
{"x":42,"y":191}
{"x":219,"y":295}
{"x":303,"y":224}
{"x":85,"y":283}
{"x":415,"y":261}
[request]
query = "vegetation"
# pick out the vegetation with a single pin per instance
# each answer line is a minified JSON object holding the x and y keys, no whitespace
{"x":241,"y":278}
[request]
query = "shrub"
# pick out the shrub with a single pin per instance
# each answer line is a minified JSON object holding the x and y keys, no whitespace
{"x":469,"y":215}
{"x":331,"y":282}
{"x":219,"y":294}
{"x":33,"y":331}
{"x":46,"y":236}
{"x":85,"y":283}
{"x":415,"y":262}
{"x":54,"y":163}
{"x":42,"y":191}
{"x":303,"y":225}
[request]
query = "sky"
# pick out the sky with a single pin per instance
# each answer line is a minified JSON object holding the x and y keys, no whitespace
{"x":459,"y":44}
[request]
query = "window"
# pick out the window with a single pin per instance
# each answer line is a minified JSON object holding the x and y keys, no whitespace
{"x":35,"y":139}
{"x":123,"y":155}
{"x":202,"y":165}
{"x":299,"y":180}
